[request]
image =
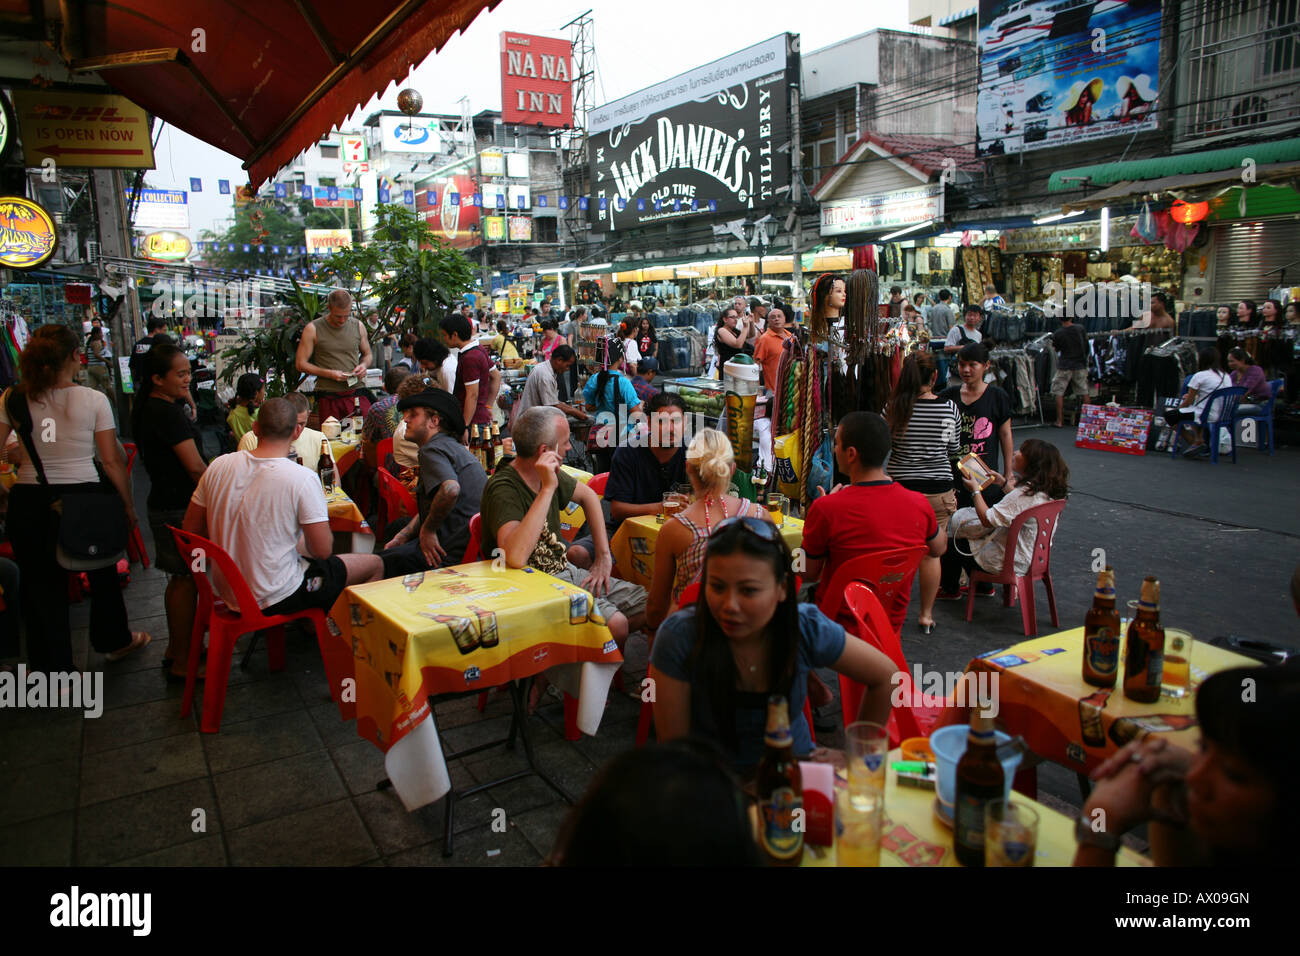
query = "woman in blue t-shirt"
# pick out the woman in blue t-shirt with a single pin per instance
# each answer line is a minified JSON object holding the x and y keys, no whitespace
{"x":715,"y":664}
{"x":603,"y":394}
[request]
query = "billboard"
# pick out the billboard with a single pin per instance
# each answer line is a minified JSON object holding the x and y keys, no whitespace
{"x":1053,"y":74}
{"x":447,"y":205}
{"x":536,"y":80}
{"x":165,"y":247}
{"x":161,"y":209}
{"x":416,"y":134}
{"x":715,"y":139}
{"x":322,"y":242}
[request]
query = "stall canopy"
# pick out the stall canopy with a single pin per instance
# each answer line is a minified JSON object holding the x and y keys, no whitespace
{"x":260,"y":80}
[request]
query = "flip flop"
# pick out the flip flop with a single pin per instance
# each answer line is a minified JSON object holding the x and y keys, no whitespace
{"x":139,"y":641}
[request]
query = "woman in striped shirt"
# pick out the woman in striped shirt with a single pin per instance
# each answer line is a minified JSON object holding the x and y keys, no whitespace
{"x":924,"y":432}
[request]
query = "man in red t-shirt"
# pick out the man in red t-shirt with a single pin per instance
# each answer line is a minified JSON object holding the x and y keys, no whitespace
{"x":872,"y":513}
{"x":477,"y":379}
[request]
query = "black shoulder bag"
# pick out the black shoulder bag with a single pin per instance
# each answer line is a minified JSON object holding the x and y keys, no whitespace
{"x":93,"y":529}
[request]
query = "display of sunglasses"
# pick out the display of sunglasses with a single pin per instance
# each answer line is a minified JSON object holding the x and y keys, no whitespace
{"x":757,"y":526}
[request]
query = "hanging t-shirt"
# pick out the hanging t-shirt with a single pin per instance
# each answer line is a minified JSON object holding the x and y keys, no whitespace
{"x":980,"y":422}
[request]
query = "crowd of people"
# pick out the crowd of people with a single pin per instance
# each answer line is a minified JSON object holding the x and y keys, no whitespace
{"x":729,"y":620}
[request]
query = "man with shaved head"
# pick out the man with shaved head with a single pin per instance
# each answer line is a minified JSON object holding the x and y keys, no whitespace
{"x":336,"y":350}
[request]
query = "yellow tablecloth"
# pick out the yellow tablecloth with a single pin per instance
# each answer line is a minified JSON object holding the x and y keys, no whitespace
{"x":1042,"y":696}
{"x":346,"y":518}
{"x":424,"y":634}
{"x":633,"y":546}
{"x":574,"y":516}
{"x":346,"y":454}
{"x":912,"y":836}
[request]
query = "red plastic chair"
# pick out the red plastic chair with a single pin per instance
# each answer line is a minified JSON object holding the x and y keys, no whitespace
{"x":1047,"y":516}
{"x":475,"y":537}
{"x":874,"y":627}
{"x":394,"y":500}
{"x":135,"y":549}
{"x":382,"y":450}
{"x":598,"y":482}
{"x":888,"y":573}
{"x":689,"y":596}
{"x":225,"y":625}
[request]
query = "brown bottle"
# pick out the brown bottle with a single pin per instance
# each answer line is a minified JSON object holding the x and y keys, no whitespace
{"x":779,"y":786}
{"x":325,"y":467}
{"x":1101,"y":634}
{"x":498,"y":447}
{"x":1144,"y":648}
{"x":1090,"y":725}
{"x":979,"y":780}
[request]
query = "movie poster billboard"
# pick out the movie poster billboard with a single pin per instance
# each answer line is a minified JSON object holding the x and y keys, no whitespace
{"x":1058,"y":72}
{"x":713,"y":140}
{"x":446,"y":203}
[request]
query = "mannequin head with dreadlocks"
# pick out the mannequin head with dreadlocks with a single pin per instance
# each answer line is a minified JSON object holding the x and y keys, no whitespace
{"x":827,"y":300}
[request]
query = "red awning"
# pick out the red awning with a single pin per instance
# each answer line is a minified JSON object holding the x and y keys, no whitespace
{"x":266,"y":78}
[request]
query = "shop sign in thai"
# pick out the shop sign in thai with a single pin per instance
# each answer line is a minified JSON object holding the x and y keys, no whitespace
{"x":27,"y":234}
{"x":1054,"y":73}
{"x":906,"y":207}
{"x":714,"y":139}
{"x":165,"y":247}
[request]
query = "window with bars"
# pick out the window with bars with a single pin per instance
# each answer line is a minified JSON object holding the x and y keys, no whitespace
{"x":1239,"y":67}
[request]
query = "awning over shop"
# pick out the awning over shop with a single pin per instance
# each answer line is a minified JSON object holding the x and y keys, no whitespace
{"x":262,"y":81}
{"x":1209,"y":161}
{"x":1196,"y":186}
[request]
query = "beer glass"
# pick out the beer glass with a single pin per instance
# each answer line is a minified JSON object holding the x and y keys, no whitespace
{"x":1010,"y":833}
{"x":1176,"y":678}
{"x":859,"y":815}
{"x":672,"y":506}
{"x":867,"y":750}
{"x":777,"y":506}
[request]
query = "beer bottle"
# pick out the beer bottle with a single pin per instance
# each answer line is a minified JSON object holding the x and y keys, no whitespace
{"x":498,"y":447}
{"x":779,"y":787}
{"x":979,"y":780}
{"x":1090,"y":725}
{"x":1101,"y":634}
{"x":325,"y":468}
{"x":358,"y":420}
{"x":1144,"y":648}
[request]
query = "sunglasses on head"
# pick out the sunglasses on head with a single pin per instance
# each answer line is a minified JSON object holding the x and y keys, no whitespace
{"x":756,"y":526}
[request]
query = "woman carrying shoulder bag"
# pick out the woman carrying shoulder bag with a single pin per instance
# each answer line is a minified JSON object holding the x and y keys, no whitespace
{"x":64,"y":425}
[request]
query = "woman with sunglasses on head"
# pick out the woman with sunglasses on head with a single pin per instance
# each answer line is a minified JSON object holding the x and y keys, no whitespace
{"x":747,"y":637}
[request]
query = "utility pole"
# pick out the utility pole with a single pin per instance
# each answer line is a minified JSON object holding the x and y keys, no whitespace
{"x":796,"y":193}
{"x":114,"y":229}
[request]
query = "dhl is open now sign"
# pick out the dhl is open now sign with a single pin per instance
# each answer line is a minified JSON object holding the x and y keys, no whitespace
{"x":81,"y":129}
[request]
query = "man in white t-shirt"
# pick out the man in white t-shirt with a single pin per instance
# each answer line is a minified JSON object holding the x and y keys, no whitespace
{"x":960,"y":336}
{"x":256,"y":504}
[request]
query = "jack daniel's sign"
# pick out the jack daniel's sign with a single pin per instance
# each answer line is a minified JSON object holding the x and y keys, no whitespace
{"x":715,"y":139}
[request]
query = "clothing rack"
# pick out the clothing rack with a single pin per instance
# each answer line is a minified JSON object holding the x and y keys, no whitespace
{"x":1010,"y":352}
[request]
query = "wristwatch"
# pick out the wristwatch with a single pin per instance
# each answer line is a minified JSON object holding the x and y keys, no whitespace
{"x":1085,"y":835}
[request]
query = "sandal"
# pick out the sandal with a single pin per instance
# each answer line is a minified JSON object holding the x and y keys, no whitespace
{"x":173,"y":678}
{"x":139,"y":640}
{"x":927,"y":628}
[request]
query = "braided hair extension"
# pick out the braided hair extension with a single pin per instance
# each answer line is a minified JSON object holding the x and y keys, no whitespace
{"x":860,"y":313}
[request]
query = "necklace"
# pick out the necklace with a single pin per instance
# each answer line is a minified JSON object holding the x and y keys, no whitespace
{"x":708,"y":528}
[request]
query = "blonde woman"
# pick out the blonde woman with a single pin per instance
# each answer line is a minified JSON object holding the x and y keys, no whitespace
{"x":679,"y":551}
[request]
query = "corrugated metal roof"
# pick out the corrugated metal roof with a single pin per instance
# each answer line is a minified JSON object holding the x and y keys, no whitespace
{"x":1208,"y":161}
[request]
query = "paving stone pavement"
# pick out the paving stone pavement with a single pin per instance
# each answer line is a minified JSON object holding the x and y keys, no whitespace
{"x":287,"y":782}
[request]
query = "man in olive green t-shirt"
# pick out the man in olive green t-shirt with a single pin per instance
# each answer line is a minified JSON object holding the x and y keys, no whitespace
{"x":336,"y":350}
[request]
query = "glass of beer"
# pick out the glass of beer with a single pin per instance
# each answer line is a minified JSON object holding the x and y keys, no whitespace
{"x":672,"y":506}
{"x":859,"y":815}
{"x":1176,"y":679}
{"x":866,"y":748}
{"x":1010,"y":833}
{"x":777,"y":507}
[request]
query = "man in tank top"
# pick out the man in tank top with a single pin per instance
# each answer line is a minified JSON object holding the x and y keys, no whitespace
{"x":336,"y":350}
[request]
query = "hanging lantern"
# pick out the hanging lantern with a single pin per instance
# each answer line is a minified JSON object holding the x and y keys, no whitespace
{"x":409,"y":101}
{"x":1189,"y":212}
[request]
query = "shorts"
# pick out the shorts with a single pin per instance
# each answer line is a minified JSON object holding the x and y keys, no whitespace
{"x":322,"y":583}
{"x":586,"y":543}
{"x":1062,"y":379}
{"x":622,"y":595}
{"x":166,"y":557}
{"x":944,"y":505}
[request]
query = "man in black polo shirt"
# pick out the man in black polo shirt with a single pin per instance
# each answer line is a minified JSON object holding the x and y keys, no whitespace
{"x":640,"y":476}
{"x":154,"y":336}
{"x":449,"y":492}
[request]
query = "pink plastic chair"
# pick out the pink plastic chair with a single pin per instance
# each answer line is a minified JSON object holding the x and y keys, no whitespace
{"x":1046,"y":516}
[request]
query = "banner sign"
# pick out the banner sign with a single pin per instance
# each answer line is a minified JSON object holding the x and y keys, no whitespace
{"x":1055,"y":73}
{"x":536,"y":80}
{"x":165,"y":247}
{"x":83,"y":129}
{"x":1113,"y":428}
{"x":715,"y":134}
{"x":325,"y":241}
{"x":446,"y":204}
{"x":887,"y":210}
{"x":415,"y":134}
{"x":27,"y":233}
{"x":333,"y":197}
{"x":161,"y":209}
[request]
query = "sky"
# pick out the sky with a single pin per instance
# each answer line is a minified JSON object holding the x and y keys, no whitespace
{"x":630,"y":54}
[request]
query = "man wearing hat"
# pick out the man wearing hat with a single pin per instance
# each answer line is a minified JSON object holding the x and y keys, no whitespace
{"x":449,"y":490}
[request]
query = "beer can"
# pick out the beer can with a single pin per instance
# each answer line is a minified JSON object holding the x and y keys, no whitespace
{"x":578,"y":606}
{"x":487,"y":628}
